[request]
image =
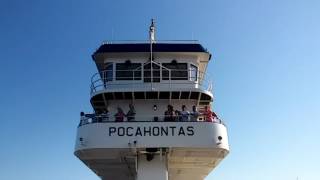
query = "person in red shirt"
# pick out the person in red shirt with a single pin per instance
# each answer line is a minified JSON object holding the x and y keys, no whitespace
{"x":209,"y":116}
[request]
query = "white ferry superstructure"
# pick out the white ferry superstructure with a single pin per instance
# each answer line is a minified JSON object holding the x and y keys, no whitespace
{"x":148,"y":144}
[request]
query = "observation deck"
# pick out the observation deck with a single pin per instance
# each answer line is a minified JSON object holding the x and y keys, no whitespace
{"x":141,"y":84}
{"x":113,"y":149}
{"x":131,"y":70}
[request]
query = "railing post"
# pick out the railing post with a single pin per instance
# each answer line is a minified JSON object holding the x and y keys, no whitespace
{"x":114,"y":74}
{"x":170,"y":79}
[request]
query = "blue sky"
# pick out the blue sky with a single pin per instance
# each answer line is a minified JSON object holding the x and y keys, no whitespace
{"x":265,"y":67}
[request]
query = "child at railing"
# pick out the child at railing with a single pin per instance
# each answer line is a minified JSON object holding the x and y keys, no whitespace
{"x":177,"y":115}
{"x":131,"y":113}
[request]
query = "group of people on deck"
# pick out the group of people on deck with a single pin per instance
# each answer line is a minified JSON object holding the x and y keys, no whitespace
{"x":170,"y":115}
{"x":120,"y":115}
{"x":174,"y":115}
{"x":104,"y":116}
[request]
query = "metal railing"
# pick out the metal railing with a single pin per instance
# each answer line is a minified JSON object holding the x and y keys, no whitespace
{"x":148,"y":41}
{"x":166,"y":78}
{"x":107,"y":118}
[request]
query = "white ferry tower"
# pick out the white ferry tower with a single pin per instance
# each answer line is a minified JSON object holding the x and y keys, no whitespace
{"x":152,"y":118}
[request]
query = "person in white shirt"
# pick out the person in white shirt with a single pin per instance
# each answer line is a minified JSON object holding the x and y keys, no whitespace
{"x":184,"y":114}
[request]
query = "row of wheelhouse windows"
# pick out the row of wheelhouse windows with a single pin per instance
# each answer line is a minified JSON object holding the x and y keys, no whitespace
{"x":137,"y":71}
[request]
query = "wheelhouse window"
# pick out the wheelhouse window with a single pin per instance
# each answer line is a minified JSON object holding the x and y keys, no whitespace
{"x":193,"y":72}
{"x":179,"y":71}
{"x":128,"y":71}
{"x":107,"y":73}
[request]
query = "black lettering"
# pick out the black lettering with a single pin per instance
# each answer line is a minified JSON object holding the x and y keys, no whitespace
{"x":172,"y":130}
{"x":181,"y":131}
{"x":121,"y":131}
{"x":112,"y":130}
{"x":145,"y":131}
{"x":138,"y":132}
{"x":155,"y":131}
{"x":190,"y":131}
{"x":127,"y":131}
{"x":164,"y":131}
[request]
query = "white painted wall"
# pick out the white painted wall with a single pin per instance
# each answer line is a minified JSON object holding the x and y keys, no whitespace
{"x":102,"y":135}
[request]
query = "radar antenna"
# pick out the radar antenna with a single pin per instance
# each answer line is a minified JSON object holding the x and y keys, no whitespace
{"x":152,"y":31}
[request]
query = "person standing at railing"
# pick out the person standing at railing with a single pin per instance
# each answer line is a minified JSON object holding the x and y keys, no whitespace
{"x":208,"y":115}
{"x":169,"y":115}
{"x":194,"y":114}
{"x":105,"y":115}
{"x":119,"y":116}
{"x":131,"y":113}
{"x":184,"y":113}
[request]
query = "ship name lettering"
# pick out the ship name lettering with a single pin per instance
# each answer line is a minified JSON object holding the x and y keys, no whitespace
{"x":152,"y":131}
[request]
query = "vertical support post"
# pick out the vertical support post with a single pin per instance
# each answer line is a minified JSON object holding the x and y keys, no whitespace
{"x":151,"y":64}
{"x":155,"y":169}
{"x":170,"y":83}
{"x":114,"y":68}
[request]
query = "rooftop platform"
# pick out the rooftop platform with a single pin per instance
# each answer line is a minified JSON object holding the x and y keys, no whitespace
{"x":144,"y":46}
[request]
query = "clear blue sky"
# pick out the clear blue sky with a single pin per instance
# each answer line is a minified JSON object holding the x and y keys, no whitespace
{"x":266,"y":68}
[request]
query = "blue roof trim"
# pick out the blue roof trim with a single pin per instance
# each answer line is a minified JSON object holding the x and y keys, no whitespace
{"x":157,"y":47}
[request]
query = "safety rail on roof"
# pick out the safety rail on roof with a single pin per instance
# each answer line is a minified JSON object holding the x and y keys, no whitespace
{"x":164,"y":80}
{"x":147,"y":41}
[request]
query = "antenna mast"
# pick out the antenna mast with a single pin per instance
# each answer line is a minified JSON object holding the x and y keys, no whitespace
{"x":152,"y":30}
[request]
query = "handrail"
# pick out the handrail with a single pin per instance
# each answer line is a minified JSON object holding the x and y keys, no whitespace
{"x":106,"y":118}
{"x":147,"y":41}
{"x":108,"y":78}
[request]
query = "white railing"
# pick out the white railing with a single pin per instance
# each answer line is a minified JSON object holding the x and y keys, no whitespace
{"x":167,"y":79}
{"x":148,"y":41}
{"x":108,"y":118}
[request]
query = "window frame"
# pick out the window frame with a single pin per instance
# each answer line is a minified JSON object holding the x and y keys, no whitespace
{"x":175,"y":71}
{"x":191,"y":78}
{"x":107,"y":72}
{"x":130,"y":71}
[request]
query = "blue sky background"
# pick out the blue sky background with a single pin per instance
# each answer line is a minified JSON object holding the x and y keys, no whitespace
{"x":265,"y":64}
